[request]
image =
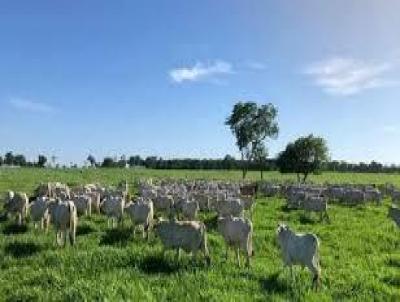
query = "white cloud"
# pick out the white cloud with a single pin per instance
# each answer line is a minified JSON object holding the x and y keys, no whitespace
{"x":200,"y":71}
{"x":28,"y":105}
{"x":346,"y":76}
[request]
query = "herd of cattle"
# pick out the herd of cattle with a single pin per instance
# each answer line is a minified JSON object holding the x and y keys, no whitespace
{"x":177,"y":204}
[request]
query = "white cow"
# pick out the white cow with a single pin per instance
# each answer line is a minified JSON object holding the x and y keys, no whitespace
{"x":374,"y":195}
{"x":237,"y":233}
{"x":230,"y":207}
{"x":83,"y":204}
{"x":96,"y":198}
{"x":65,"y":220}
{"x":300,"y":249}
{"x":141,"y":213}
{"x":316,"y":204}
{"x":395,"y":196}
{"x":113,"y":207}
{"x":39,"y":212}
{"x":164,"y":203}
{"x":190,"y":236}
{"x":17,"y":204}
{"x":189,"y":209}
{"x":394,"y":213}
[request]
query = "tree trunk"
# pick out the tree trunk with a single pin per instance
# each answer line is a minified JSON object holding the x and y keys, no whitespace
{"x":262,"y":176}
{"x":298,"y":177}
{"x":243,"y":167}
{"x":305,"y":177}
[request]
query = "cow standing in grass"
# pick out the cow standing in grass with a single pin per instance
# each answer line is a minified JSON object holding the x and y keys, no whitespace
{"x":238,"y":234}
{"x":113,"y":207}
{"x":39,"y":212}
{"x":190,"y":236}
{"x":300,"y":249}
{"x":65,"y":220}
{"x":394,"y":213}
{"x":17,"y":204}
{"x":141,"y":213}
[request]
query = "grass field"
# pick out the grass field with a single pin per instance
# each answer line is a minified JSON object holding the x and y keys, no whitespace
{"x":360,"y":252}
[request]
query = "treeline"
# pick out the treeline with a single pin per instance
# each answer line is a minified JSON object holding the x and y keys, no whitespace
{"x":153,"y":162}
{"x":226,"y":163}
{"x":230,"y":163}
{"x":19,"y":160}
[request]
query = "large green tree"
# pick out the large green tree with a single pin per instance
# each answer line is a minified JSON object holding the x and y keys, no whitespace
{"x":304,"y":156}
{"x":252,"y":124}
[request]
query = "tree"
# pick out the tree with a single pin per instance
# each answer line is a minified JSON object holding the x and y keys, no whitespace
{"x":252,"y":124}
{"x":9,"y":158}
{"x":306,"y":155}
{"x":42,"y":160}
{"x":19,"y":160}
{"x":135,"y":161}
{"x":108,"y":162}
{"x":91,"y":160}
{"x":1,"y":161}
{"x":260,"y":154}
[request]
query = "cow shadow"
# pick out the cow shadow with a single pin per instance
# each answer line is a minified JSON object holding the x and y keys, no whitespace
{"x":392,"y":281}
{"x":22,"y":249}
{"x":286,"y":209}
{"x":15,"y":229}
{"x":117,"y":237}
{"x":3,"y":217}
{"x":272,"y":284}
{"x":85,"y":229}
{"x":157,"y":264}
{"x":393,"y":262}
{"x":306,"y":219}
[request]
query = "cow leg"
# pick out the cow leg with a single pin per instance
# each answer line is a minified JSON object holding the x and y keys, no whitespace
{"x":71,"y":238}
{"x":327,"y":217}
{"x":134,"y":230}
{"x":238,"y":256}
{"x":194,"y":256}
{"x":178,"y":254}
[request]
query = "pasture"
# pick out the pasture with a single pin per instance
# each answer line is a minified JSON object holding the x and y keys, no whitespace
{"x":360,"y":251}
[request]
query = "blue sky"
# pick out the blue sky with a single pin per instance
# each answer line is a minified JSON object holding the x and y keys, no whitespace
{"x":160,"y":77}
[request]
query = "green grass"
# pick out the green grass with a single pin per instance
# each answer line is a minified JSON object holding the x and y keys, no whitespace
{"x":359,"y":251}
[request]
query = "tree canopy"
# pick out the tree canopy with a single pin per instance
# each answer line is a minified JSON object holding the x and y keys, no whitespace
{"x":251,"y":125}
{"x":304,"y":156}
